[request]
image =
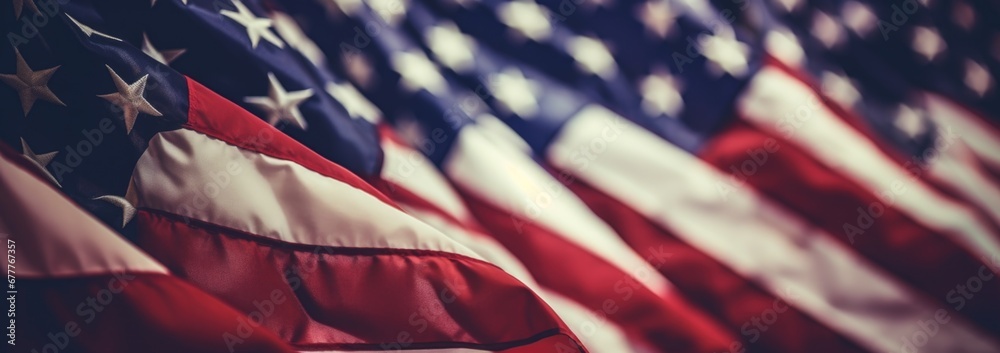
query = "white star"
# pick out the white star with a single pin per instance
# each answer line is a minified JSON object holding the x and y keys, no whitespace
{"x":840,"y":89}
{"x":349,"y":7}
{"x":927,"y":42}
{"x":288,"y":29}
{"x":391,"y":11}
{"x":789,"y":5}
{"x":40,"y":160}
{"x":516,"y":93}
{"x":657,"y":16}
{"x":19,"y":5}
{"x":909,"y":122}
{"x":858,"y":17}
{"x":128,"y":211}
{"x":592,"y":56}
{"x":451,"y":47}
{"x":356,"y":104}
{"x":661,"y":94}
{"x":89,"y":32}
{"x":784,"y":45}
{"x":977,"y":78}
{"x":31,"y":85}
{"x":526,"y":18}
{"x":358,"y":68}
{"x":418,"y":73}
{"x":827,"y":30}
{"x":257,"y":27}
{"x":281,"y":105}
{"x":725,"y":53}
{"x":165,"y":57}
{"x":130,"y":98}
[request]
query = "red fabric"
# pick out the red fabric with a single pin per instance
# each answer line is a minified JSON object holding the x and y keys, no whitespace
{"x":357,"y":298}
{"x":150,"y":313}
{"x":670,"y":324}
{"x":925,"y":259}
{"x":713,"y":286}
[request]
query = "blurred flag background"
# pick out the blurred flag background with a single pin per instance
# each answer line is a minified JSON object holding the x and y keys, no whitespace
{"x":501,"y":175}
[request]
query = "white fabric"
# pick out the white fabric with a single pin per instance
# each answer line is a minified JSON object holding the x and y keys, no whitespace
{"x":271,"y":197}
{"x":62,"y":240}
{"x":763,"y":242}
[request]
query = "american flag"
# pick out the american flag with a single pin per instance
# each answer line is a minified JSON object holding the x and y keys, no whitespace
{"x":501,"y":175}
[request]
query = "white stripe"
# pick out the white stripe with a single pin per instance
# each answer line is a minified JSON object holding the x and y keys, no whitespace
{"x":756,"y":238}
{"x":409,"y":168}
{"x":509,"y":179}
{"x":982,"y":138}
{"x":61,"y":239}
{"x":783,"y":105}
{"x":190,"y":174}
{"x":596,"y":333}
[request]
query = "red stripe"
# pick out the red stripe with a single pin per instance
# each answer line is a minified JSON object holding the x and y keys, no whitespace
{"x":670,"y":324}
{"x":150,"y":313}
{"x":357,"y":299}
{"x":716,"y":288}
{"x":921,"y":257}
